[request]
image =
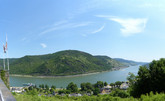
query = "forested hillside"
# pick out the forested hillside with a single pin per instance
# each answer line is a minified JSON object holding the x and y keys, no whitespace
{"x":69,"y":62}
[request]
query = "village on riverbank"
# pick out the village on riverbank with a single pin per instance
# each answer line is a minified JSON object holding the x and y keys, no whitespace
{"x":72,"y":89}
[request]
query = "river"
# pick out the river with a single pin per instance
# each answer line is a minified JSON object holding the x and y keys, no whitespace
{"x":109,"y":77}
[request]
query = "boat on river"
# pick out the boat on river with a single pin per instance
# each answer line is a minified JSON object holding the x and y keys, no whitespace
{"x":28,"y":84}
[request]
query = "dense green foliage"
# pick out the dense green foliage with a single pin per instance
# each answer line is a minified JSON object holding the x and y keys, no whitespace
{"x":99,"y":84}
{"x":105,"y":83}
{"x":72,"y":87}
{"x":30,"y":97}
{"x":119,"y":93}
{"x":87,"y":87}
{"x":118,"y":83}
{"x":69,"y":62}
{"x":4,"y":78}
{"x":149,"y":79}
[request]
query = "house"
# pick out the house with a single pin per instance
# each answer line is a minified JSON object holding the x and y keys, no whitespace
{"x":105,"y":91}
{"x":108,"y":86}
{"x":62,"y":94}
{"x":75,"y":94}
{"x":89,"y":94}
{"x":124,"y":85}
{"x":17,"y":89}
{"x":55,"y":93}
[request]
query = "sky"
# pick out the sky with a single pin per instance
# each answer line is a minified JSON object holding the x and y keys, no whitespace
{"x":129,"y":29}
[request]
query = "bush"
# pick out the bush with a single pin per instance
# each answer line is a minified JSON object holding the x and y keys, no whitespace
{"x":96,"y":91}
{"x":119,"y":93}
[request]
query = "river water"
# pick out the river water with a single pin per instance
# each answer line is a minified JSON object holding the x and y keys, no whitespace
{"x":109,"y":77}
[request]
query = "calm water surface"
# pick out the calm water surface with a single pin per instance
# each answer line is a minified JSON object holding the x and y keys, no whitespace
{"x":109,"y":77}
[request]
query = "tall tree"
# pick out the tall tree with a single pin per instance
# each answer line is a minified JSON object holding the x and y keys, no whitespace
{"x":86,"y":86}
{"x":99,"y":84}
{"x":149,"y":79}
{"x":105,"y":83}
{"x":72,"y":87}
{"x":46,"y":87}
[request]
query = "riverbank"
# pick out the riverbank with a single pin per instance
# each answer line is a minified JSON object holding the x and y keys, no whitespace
{"x":113,"y":69}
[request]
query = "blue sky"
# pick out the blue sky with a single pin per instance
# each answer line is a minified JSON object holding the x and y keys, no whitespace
{"x":129,"y":29}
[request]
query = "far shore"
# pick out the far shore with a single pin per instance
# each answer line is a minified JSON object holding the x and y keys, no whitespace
{"x":113,"y":69}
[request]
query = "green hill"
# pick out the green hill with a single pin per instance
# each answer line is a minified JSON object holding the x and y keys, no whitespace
{"x":68,"y":62}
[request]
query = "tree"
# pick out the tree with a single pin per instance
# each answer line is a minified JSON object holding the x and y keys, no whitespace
{"x":67,"y":91}
{"x":86,"y":86}
{"x":83,"y":87}
{"x":131,"y":78}
{"x":89,"y":86}
{"x":112,"y":85}
{"x":99,"y":84}
{"x":96,"y":91}
{"x":149,"y":79}
{"x":118,"y":83}
{"x":72,"y":87}
{"x":105,"y":83}
{"x":52,"y":90}
{"x":54,"y":87}
{"x":30,"y":88}
{"x":61,"y":92}
{"x":42,"y":86}
{"x":46,"y":87}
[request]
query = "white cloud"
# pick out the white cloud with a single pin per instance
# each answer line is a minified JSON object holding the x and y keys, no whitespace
{"x":130,"y":26}
{"x":43,"y":45}
{"x":98,"y":30}
{"x":64,"y":26}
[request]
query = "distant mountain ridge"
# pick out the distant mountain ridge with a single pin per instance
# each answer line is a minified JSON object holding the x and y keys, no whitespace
{"x":129,"y":62}
{"x":68,"y":62}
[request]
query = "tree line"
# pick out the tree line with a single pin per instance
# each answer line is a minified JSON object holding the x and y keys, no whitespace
{"x":85,"y":88}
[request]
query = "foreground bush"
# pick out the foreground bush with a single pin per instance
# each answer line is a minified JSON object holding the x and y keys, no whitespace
{"x":148,"y":97}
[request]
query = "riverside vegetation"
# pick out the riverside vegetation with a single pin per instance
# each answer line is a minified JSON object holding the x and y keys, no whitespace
{"x":148,"y":85}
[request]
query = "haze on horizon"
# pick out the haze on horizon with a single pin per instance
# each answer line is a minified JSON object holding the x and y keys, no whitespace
{"x":131,"y":30}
